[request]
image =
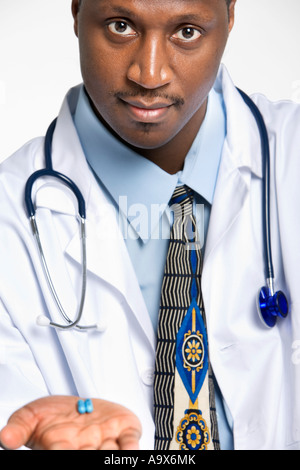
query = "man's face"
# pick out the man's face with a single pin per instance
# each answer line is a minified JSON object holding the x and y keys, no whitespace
{"x":148,"y":65}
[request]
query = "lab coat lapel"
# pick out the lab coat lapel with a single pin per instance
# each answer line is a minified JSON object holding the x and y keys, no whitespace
{"x":108,"y":258}
{"x":107,"y":255}
{"x":231,"y":191}
{"x":239,"y":160}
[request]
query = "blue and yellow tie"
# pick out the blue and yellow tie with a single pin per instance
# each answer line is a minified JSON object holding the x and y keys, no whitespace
{"x":184,"y":404}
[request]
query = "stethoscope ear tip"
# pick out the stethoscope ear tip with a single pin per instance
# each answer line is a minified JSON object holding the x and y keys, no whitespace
{"x":42,"y":320}
{"x":101,"y":327}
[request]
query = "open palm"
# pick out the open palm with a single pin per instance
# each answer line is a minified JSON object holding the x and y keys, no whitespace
{"x":53,"y":423}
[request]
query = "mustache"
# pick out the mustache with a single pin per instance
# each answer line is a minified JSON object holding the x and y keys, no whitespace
{"x":175,"y":100}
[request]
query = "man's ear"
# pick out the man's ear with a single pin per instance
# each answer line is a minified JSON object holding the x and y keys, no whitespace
{"x":75,"y":11}
{"x":231,"y":14}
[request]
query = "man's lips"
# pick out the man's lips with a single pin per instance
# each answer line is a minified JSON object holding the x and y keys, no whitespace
{"x":147,"y":112}
{"x":148,"y":104}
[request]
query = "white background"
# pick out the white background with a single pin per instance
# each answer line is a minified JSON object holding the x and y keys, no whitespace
{"x":39,"y":59}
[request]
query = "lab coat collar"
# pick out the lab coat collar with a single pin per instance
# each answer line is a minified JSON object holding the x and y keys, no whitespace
{"x":240,"y":160}
{"x":243,"y":140}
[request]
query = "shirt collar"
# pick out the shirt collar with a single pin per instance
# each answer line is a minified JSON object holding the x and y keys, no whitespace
{"x":133,"y":180}
{"x":202,"y":163}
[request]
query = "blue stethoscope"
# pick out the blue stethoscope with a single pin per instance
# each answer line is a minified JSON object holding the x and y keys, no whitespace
{"x":271,"y":305}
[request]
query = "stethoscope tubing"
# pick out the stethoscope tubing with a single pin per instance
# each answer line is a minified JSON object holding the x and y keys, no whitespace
{"x":265,"y":151}
{"x":50,"y":172}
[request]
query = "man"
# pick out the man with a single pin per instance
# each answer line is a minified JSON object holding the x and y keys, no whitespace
{"x":154,"y":113}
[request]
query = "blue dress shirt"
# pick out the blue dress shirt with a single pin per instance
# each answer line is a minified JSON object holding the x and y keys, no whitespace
{"x":141,"y":191}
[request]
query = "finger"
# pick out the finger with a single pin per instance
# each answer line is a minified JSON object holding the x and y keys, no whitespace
{"x":13,"y":437}
{"x":19,"y":429}
{"x":129,"y":440}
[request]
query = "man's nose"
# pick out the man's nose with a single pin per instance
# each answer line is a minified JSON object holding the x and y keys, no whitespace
{"x":150,"y":67}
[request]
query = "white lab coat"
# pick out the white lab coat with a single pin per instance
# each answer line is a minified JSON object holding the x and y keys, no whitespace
{"x":257,"y":369}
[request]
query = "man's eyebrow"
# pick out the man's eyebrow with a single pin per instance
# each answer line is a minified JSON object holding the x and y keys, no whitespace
{"x":187,"y":18}
{"x":122,"y":11}
{"x":180,"y":19}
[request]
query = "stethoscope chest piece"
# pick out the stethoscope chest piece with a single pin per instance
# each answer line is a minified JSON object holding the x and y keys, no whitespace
{"x":271,"y":307}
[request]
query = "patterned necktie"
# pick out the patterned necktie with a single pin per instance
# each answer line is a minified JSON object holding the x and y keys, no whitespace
{"x":184,"y":405}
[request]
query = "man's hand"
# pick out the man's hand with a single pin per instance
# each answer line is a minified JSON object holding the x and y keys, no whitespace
{"x":53,"y":423}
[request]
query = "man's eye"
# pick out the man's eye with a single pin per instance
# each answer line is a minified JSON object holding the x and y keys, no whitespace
{"x":187,"y":34}
{"x":121,"y":28}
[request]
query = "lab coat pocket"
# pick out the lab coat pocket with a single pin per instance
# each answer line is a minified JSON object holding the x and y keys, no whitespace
{"x":254,"y":388}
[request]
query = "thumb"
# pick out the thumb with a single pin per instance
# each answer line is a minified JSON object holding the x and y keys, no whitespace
{"x":18,"y":430}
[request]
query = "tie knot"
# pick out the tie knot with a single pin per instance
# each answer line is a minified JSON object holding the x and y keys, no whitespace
{"x":182,"y":202}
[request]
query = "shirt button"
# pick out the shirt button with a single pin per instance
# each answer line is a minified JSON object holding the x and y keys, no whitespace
{"x":148,"y":377}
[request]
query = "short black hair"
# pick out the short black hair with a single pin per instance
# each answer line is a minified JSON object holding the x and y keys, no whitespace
{"x":227,"y":1}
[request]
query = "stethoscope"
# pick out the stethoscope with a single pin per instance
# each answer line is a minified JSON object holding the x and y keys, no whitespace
{"x":271,"y":305}
{"x":50,"y":172}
